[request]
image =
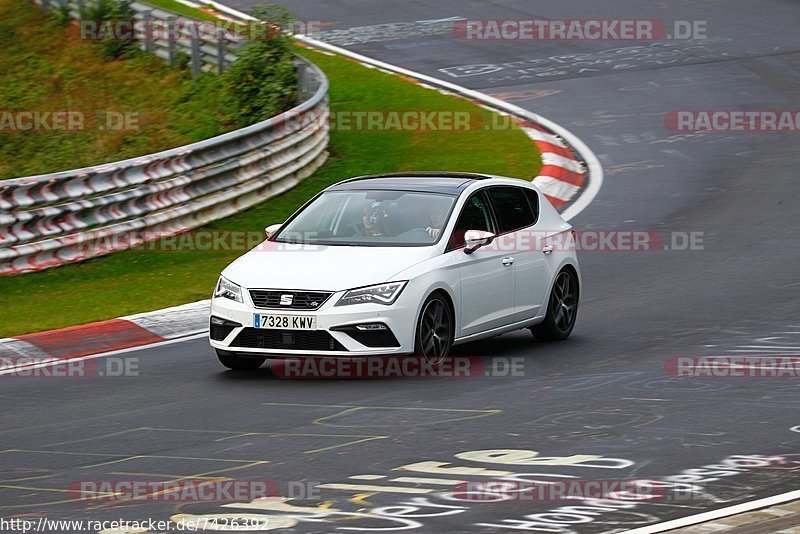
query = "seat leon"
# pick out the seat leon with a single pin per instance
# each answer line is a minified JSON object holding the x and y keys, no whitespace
{"x":400,"y":264}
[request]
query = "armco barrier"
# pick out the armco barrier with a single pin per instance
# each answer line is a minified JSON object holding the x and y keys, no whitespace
{"x":164,"y":33}
{"x":55,"y":219}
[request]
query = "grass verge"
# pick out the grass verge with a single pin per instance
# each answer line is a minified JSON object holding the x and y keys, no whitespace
{"x":183,"y":9}
{"x":131,"y":282}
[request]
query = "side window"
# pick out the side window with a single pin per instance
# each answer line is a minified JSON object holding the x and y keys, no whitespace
{"x":474,"y":216}
{"x":511,"y":208}
{"x":533,"y":198}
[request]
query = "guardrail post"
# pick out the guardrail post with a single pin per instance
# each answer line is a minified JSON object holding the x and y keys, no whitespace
{"x":301,"y":81}
{"x":147,"y":16}
{"x":172,"y":37}
{"x":197,"y":63}
{"x":220,"y":50}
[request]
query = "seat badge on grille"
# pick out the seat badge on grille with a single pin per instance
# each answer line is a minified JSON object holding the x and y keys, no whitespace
{"x":286,"y":300}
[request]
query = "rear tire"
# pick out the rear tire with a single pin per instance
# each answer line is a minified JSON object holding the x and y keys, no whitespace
{"x":562,"y":309}
{"x":238,"y":363}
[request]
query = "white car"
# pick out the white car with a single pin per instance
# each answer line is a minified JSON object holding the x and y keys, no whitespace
{"x":400,"y":264}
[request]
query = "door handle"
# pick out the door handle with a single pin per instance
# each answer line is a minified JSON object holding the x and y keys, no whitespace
{"x":547,"y":249}
{"x":508,"y":262}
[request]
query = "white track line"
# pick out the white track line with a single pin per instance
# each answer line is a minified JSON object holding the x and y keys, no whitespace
{"x":717,"y":514}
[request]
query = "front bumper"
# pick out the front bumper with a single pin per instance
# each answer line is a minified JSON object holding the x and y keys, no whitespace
{"x":335,"y":335}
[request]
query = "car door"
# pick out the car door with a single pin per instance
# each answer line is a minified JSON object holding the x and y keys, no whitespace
{"x":516,"y":210}
{"x":487,"y":283}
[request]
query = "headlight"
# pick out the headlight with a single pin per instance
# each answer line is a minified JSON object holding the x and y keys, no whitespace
{"x":384,"y":294}
{"x":229,"y":290}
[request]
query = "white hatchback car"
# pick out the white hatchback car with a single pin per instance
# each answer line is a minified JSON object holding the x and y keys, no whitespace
{"x":400,"y":264}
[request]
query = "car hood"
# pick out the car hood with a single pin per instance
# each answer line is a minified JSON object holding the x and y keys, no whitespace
{"x":323,"y":268}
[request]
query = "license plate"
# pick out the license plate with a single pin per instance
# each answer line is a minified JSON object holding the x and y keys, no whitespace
{"x":285,"y":322}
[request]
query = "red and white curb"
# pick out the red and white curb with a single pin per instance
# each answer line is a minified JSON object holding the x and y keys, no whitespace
{"x":75,"y":342}
{"x":562,"y":176}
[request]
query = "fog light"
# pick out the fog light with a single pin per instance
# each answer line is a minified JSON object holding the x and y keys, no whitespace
{"x":372,"y":326}
{"x":220,"y":328}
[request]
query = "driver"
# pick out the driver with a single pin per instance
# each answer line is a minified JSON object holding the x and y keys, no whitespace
{"x":374,"y":218}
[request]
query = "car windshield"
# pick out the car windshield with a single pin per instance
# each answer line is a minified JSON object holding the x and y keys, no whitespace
{"x":370,"y":218}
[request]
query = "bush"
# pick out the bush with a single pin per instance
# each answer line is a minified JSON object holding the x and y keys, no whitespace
{"x":263,"y":81}
{"x":110,"y":10}
{"x":62,"y":16}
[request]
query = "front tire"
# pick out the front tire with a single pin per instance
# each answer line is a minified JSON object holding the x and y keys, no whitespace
{"x":237,"y":363}
{"x":562,"y":309}
{"x":435,"y":330}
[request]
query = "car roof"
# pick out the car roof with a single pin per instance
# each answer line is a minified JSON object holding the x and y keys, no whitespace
{"x":452,"y":183}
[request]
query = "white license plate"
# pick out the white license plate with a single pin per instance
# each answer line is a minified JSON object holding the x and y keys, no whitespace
{"x":285,"y":322}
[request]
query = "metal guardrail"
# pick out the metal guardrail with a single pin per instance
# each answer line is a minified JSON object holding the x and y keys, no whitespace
{"x":65,"y":217}
{"x":207,"y":45}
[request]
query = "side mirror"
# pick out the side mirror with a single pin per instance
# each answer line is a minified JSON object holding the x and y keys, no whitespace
{"x":272,"y":229}
{"x":475,"y":239}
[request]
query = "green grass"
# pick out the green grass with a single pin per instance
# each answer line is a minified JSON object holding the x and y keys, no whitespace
{"x":45,"y":66}
{"x":183,"y":9}
{"x":131,"y":282}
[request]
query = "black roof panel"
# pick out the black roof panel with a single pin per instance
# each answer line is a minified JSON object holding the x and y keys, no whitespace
{"x":433,"y":182}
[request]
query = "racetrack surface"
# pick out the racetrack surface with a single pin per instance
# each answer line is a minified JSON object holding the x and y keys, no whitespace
{"x":604,"y":393}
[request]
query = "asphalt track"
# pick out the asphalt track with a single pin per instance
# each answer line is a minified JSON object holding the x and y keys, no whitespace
{"x":603,"y":393}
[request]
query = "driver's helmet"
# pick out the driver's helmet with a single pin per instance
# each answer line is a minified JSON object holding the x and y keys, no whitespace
{"x":374,"y":218}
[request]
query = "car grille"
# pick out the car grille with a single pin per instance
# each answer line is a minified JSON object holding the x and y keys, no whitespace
{"x":255,"y":338}
{"x":301,"y":300}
